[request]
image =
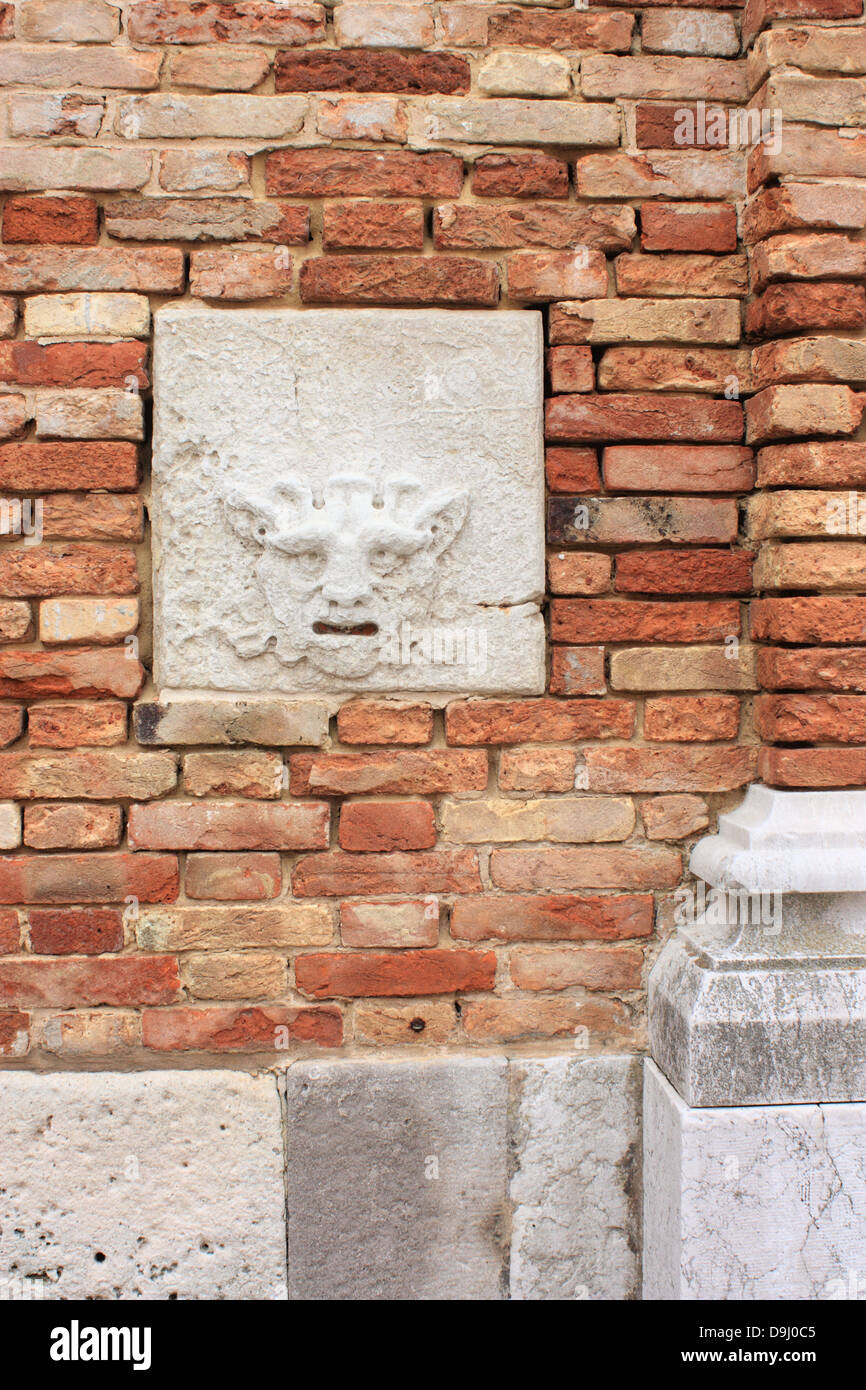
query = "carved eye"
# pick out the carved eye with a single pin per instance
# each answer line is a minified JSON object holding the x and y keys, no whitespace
{"x":309,"y":563}
{"x":382,"y":561}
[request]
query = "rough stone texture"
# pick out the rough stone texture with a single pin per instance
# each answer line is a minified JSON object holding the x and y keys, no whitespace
{"x":477,"y":511}
{"x":754,"y":1202}
{"x":413,"y":1159}
{"x":86,"y":1209}
{"x":576,"y":1181}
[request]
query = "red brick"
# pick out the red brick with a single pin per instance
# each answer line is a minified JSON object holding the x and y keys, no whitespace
{"x":407,"y":923}
{"x":554,"y":918}
{"x":14,"y":1033}
{"x":820,"y":463}
{"x":793,"y":206}
{"x":692,"y":718}
{"x":572,"y":572}
{"x":584,"y":620}
{"x":537,"y":721}
{"x":562,"y":870}
{"x":233,"y":877}
{"x":599,"y":418}
{"x":385,"y":722}
{"x":812,"y":668}
{"x":669,"y":769}
{"x":533,"y":175}
{"x":523,"y":1019}
{"x":535,"y":276}
{"x":339,"y":874}
{"x":227,"y":825}
{"x":678,"y":468}
{"x":391,"y":773}
{"x":10,"y":932}
{"x":569,"y":29}
{"x":364,"y":226}
{"x":811,"y":718}
{"x":109,"y":877}
{"x":73,"y":364}
{"x":813,"y":767}
{"x":92,"y":517}
{"x":399,"y":280}
{"x":380,"y":975}
{"x":809,"y":620}
{"x":75,"y":983}
{"x":33,"y":466}
{"x":571,"y":369}
{"x":551,"y":968}
{"x":791,"y":308}
{"x":759,"y":14}
{"x":688,"y":227}
{"x":72,"y":827}
{"x":260,"y":1029}
{"x":572,"y":470}
{"x":371,"y":70}
{"x":85,"y":671}
{"x":387,"y":825}
{"x":75,"y":931}
{"x":368,"y":173}
{"x":577,"y":671}
{"x":684,"y":572}
{"x":537,"y":769}
{"x":77,"y":725}
{"x":55,"y":221}
{"x":11,"y":724}
{"x":674,"y":817}
{"x":253,"y":21}
{"x":48,"y":570}
{"x":16,"y":621}
{"x":475,"y":227}
{"x":658,"y":126}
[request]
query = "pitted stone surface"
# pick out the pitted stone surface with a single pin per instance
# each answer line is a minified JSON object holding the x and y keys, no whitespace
{"x":150,"y":1185}
{"x":348,"y":500}
{"x":397,"y":1185}
{"x":576,"y":1185}
{"x":751,"y":1202}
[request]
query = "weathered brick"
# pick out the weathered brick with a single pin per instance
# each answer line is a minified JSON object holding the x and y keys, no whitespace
{"x":577,"y":671}
{"x":228,"y":975}
{"x":779,"y":411}
{"x":795,"y":307}
{"x":615,"y":917}
{"x":233,"y":877}
{"x":678,"y":468}
{"x":158,"y":116}
{"x":56,"y":113}
{"x":562,"y":870}
{"x":684,"y":572}
{"x":536,"y":721}
{"x":688,"y":226}
{"x":110,"y":877}
{"x":233,"y":70}
{"x":75,"y":931}
{"x":598,"y":419}
{"x":645,"y":520}
{"x":530,"y":175}
{"x":41,"y":66}
{"x":645,"y":321}
{"x":390,"y":773}
{"x":392,"y":924}
{"x":16,"y":621}
{"x":806,"y":256}
{"x":98,"y":776}
{"x":80,"y":21}
{"x":669,"y":769}
{"x":13,"y":416}
{"x":692,"y":718}
{"x":650,"y":76}
{"x":423,"y":1022}
{"x":535,"y":276}
{"x":679,"y":31}
{"x":812,"y":668}
{"x":795,"y":205}
{"x":78,"y":167}
{"x":387,"y":825}
{"x":551,"y":28}
{"x":540,"y":968}
{"x":251,"y":772}
{"x":809,"y":620}
{"x":363,"y":70}
{"x":37,"y":466}
{"x":572,"y":470}
{"x":518,"y":1019}
{"x":339,"y":874}
{"x":811,"y":718}
{"x":11,"y":723}
{"x":240,"y":273}
{"x":72,"y":827}
{"x":537,"y":769}
{"x":398,"y":280}
{"x":81,"y":620}
{"x":571,"y":369}
{"x":604,"y":620}
{"x":811,"y":565}
{"x":61,"y":221}
{"x":510,"y":121}
{"x":374,"y":974}
{"x":682,"y":274}
{"x":370,"y":173}
{"x":233,"y":928}
{"x":10,"y":932}
{"x":570,"y":820}
{"x":76,"y":724}
{"x":809,"y":359}
{"x":462,"y":226}
{"x":813,"y":767}
{"x":274,"y":723}
{"x":572,"y":572}
{"x":90,"y":1033}
{"x":227,"y":826}
{"x":14,"y":1033}
{"x":383,"y":25}
{"x":687,"y":174}
{"x":89,"y":414}
{"x":33,"y":673}
{"x":45,"y":570}
{"x":84,"y":365}
{"x":70,"y":983}
{"x":385,"y":722}
{"x":190,"y":170}
{"x":691,"y":668}
{"x":87,"y":316}
{"x":254,"y":21}
{"x":205,"y":219}
{"x":256,"y":1029}
{"x":807,"y":152}
{"x":674,"y":817}
{"x":365,"y":226}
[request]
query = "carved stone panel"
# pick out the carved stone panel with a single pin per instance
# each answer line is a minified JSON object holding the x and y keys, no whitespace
{"x":348,"y":500}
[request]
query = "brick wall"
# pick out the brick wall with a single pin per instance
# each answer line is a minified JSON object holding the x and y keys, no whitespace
{"x":176,"y":879}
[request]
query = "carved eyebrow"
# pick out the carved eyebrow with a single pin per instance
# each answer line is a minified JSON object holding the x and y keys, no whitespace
{"x":303,"y":536}
{"x":400,"y":539}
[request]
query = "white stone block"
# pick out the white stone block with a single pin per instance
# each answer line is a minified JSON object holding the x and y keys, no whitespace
{"x":348,"y":500}
{"x":10,"y":825}
{"x":751,"y":1202}
{"x":150,"y":1185}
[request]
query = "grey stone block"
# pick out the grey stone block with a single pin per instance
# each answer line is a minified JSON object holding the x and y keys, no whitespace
{"x":397,"y":1181}
{"x":576,"y":1183}
{"x":147,"y":1185}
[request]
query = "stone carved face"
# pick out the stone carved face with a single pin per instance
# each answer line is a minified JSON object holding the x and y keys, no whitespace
{"x":340,"y":571}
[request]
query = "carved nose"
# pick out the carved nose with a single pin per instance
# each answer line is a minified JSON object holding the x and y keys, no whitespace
{"x":346,"y":583}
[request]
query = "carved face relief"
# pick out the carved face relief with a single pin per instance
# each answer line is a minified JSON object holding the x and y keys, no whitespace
{"x":340,"y":571}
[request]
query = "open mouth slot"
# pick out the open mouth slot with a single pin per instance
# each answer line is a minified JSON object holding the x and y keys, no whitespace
{"x":346,"y":629}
